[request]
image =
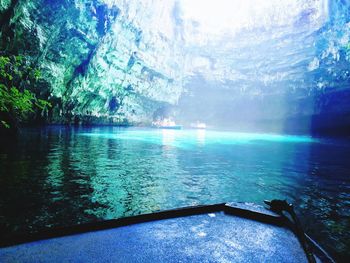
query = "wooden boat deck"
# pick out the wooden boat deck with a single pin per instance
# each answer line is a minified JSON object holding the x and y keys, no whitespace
{"x":217,"y":233}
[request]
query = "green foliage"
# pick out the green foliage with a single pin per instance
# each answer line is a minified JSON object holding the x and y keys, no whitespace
{"x":17,"y":78}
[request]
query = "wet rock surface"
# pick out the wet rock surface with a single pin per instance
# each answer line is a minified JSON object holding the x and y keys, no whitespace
{"x":101,"y":60}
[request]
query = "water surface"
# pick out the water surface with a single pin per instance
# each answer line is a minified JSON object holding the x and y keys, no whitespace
{"x":58,"y":176}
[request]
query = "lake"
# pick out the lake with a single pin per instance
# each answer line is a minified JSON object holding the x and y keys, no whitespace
{"x":61,"y":176}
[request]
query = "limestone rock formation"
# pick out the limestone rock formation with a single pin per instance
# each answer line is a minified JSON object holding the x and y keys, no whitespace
{"x":108,"y":61}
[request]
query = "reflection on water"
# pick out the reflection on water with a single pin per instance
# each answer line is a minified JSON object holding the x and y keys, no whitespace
{"x":200,"y":137}
{"x":168,"y":138}
{"x":62,"y":176}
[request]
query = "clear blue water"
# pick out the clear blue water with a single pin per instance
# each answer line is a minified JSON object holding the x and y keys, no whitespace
{"x":58,"y":176}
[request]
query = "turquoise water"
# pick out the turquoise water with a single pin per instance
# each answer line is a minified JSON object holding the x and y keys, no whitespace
{"x":60,"y":176}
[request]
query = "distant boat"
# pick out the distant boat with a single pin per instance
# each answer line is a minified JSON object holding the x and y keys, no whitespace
{"x":199,"y":125}
{"x":166,"y":124}
{"x":171,"y":127}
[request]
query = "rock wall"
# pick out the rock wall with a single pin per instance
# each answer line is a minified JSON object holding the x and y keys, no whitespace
{"x":126,"y":61}
{"x":100,"y":59}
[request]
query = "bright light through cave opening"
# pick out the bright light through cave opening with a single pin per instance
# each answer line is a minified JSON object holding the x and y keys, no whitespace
{"x":233,"y":15}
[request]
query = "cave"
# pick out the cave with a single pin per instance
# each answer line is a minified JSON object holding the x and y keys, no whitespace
{"x":268,"y":81}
